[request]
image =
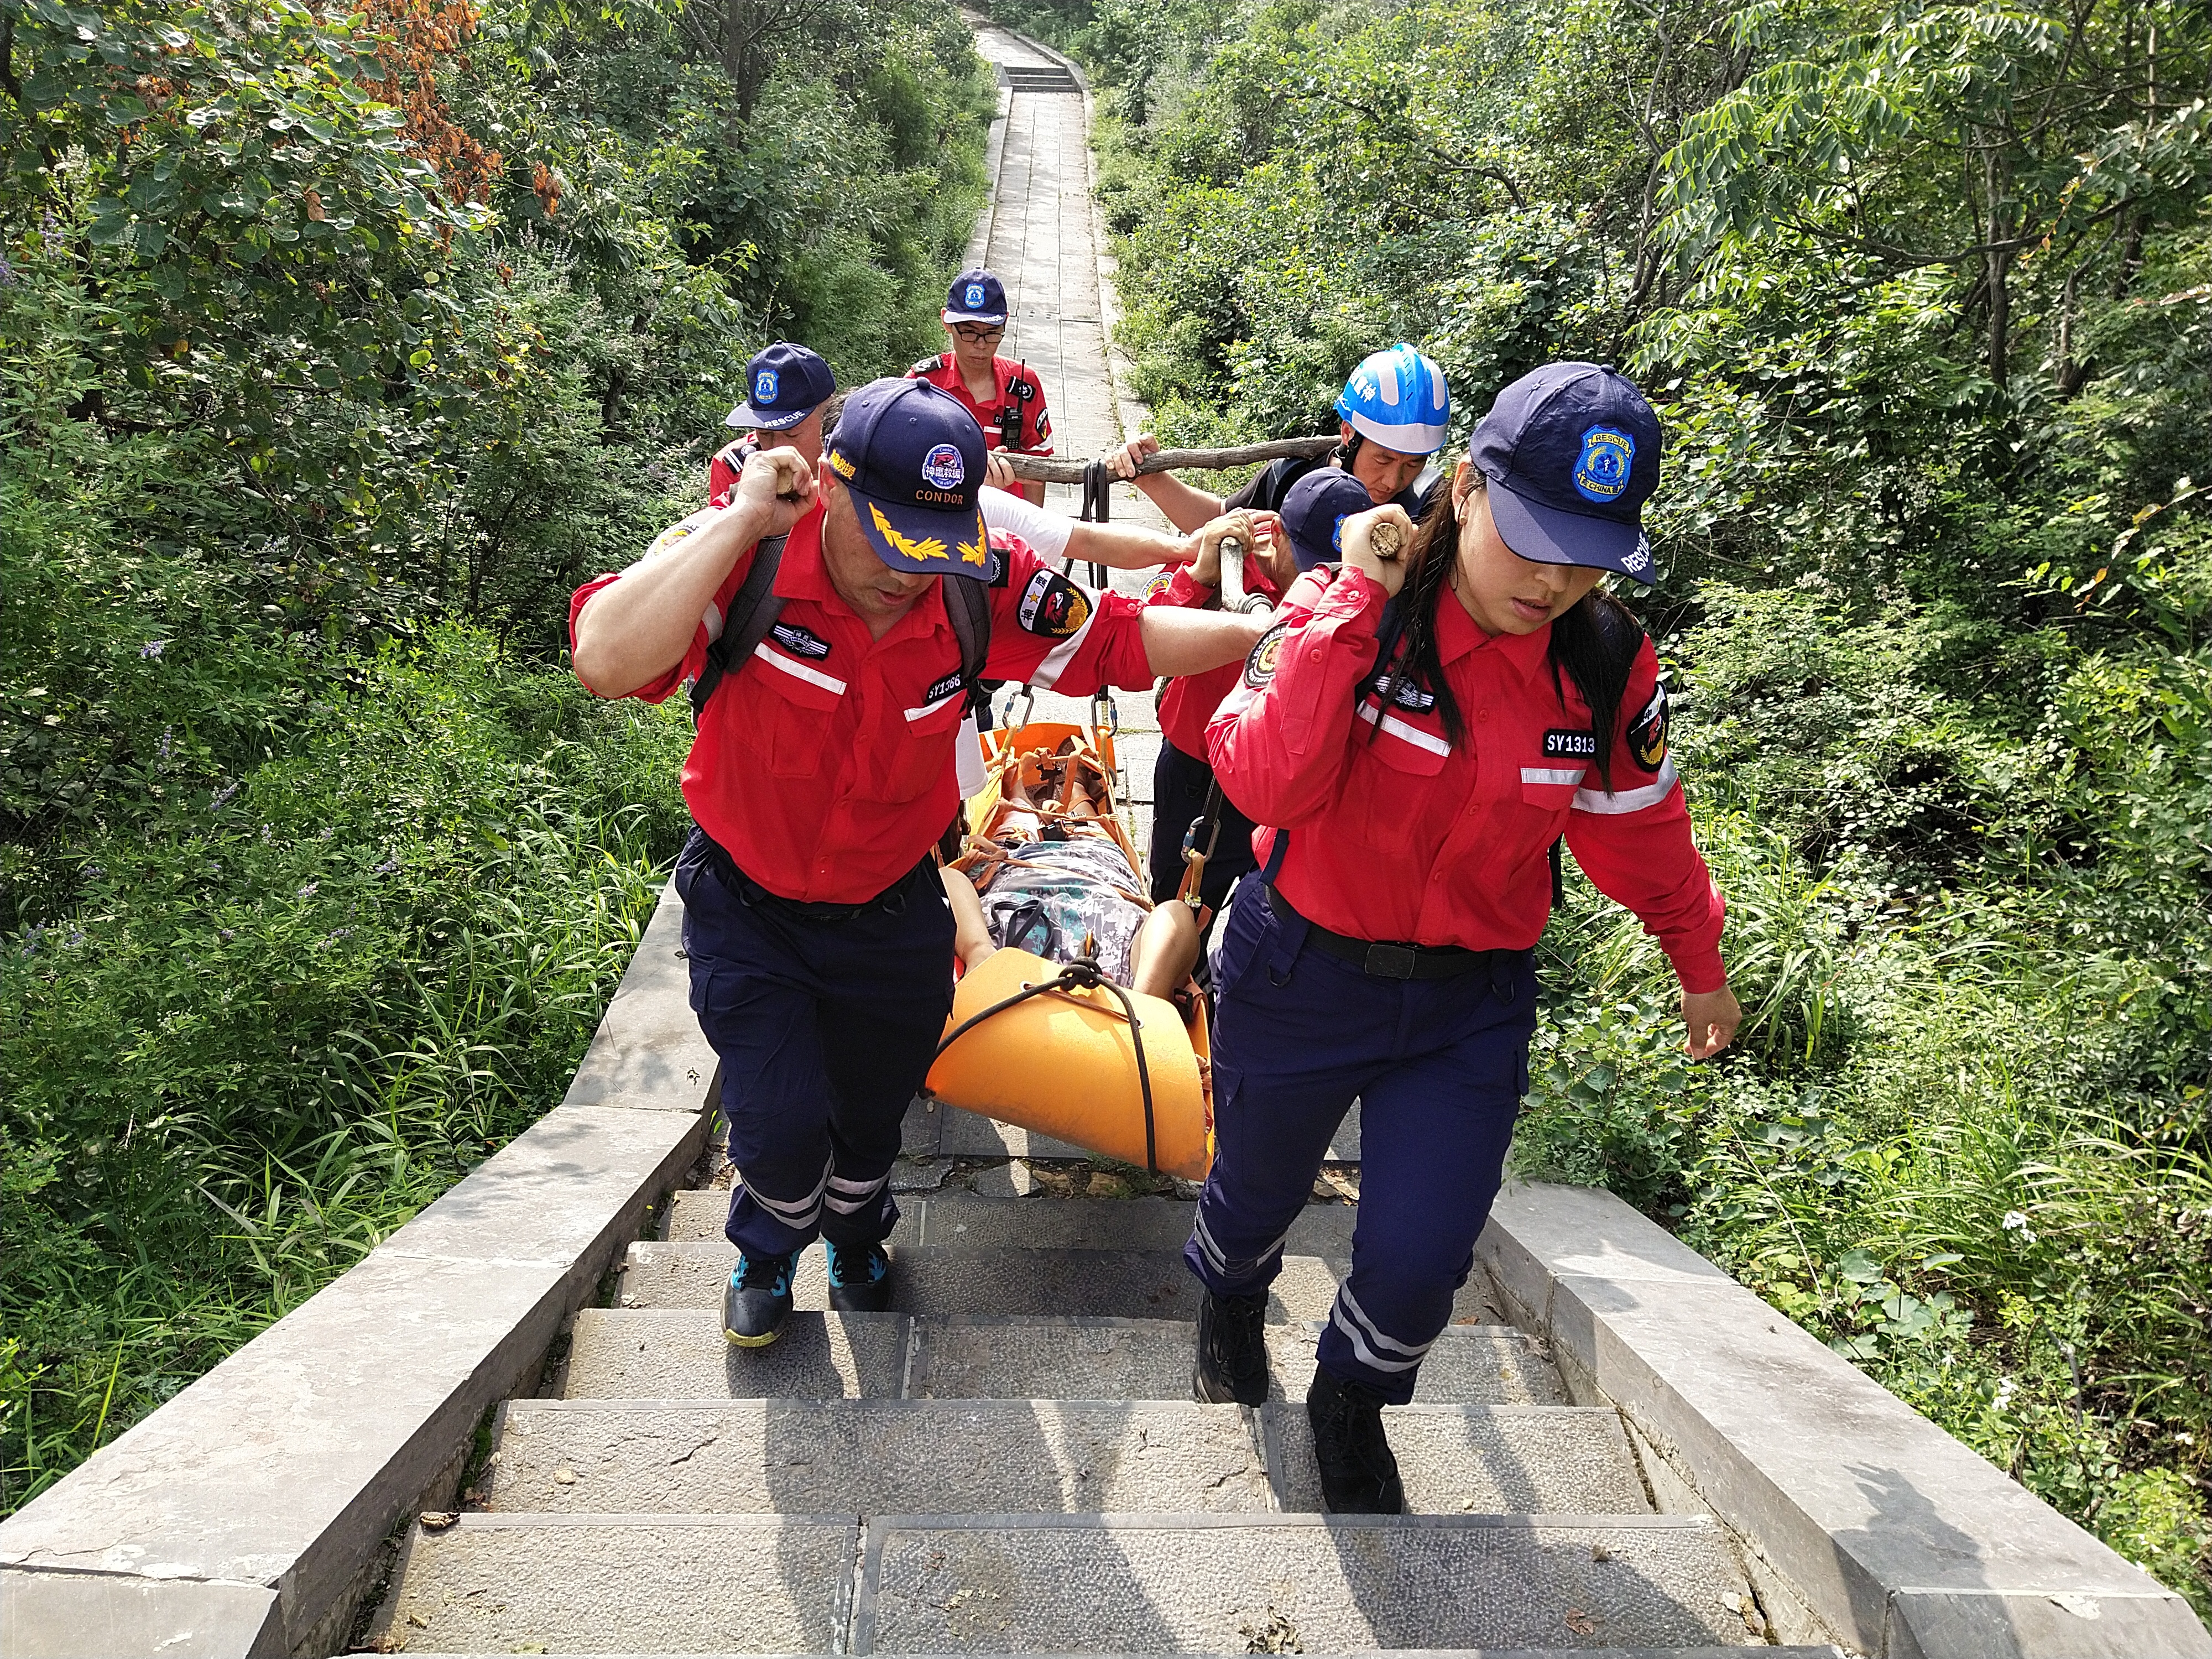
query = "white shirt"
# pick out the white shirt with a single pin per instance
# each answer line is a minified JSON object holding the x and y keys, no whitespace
{"x":1047,"y":532}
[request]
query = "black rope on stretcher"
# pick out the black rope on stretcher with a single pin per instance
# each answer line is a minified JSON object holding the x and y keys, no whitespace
{"x":1083,"y":974}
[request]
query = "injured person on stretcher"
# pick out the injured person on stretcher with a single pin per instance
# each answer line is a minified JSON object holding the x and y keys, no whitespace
{"x":1051,"y":871}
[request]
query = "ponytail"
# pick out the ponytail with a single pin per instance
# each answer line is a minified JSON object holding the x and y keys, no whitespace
{"x":1595,"y":642}
{"x":1429,"y":567}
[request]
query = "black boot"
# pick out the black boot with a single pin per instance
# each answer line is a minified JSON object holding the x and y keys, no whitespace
{"x":759,"y":1296}
{"x":1232,"y":1350}
{"x":1358,"y":1474}
{"x":860,"y":1279}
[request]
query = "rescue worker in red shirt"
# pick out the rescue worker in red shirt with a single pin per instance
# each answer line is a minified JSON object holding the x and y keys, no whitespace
{"x":1006,"y":398}
{"x":1393,"y":414}
{"x":1279,"y":546}
{"x":1416,"y":730}
{"x":822,"y":776}
{"x":788,"y":389}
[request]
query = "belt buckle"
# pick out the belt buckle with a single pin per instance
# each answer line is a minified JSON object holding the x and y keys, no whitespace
{"x":1391,"y":961}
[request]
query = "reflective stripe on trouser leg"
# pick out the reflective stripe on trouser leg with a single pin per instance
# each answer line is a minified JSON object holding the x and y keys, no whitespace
{"x":1434,"y":1130}
{"x":1375,"y":1350}
{"x":825,"y":1029}
{"x":1277,"y":1100}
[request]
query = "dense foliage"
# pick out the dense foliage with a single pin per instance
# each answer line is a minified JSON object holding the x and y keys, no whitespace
{"x":333,"y":352}
{"x":1924,"y":291}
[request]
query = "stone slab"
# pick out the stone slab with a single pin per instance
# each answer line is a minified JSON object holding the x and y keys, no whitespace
{"x":731,"y":1584}
{"x":1151,"y":1359}
{"x":970,"y":1135}
{"x":619,"y":1353}
{"x":953,"y":1221}
{"x":1176,"y":1585}
{"x":1479,"y":1460}
{"x":1120,"y":1283}
{"x":679,"y":1354}
{"x":808,"y":1456}
{"x":1883,"y":1524}
{"x":86,"y":1615}
{"x":1821,"y":1652}
{"x":289,"y":1463}
{"x":1824,"y":1651}
{"x":295,"y":1456}
{"x":648,"y":1050}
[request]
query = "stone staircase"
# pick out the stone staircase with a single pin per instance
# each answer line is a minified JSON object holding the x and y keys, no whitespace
{"x":1011,"y":1463}
{"x":1025,"y":77}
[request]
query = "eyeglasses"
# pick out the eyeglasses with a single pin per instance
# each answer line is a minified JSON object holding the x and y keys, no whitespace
{"x":979,"y":333}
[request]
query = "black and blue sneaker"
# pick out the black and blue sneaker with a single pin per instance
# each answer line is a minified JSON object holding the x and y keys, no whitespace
{"x":860,"y":1279}
{"x":759,"y":1296}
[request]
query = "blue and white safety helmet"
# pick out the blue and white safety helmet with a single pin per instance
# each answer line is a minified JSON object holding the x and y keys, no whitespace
{"x":1398,"y":399}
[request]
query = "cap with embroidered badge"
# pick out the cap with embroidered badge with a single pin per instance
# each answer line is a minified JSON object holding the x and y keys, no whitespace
{"x":1314,"y":511}
{"x":784,"y":385}
{"x":1571,"y":453}
{"x":913,"y":458}
{"x":976,"y":296}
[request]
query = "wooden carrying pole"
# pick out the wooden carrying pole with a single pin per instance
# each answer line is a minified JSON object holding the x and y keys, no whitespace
{"x":1043,"y":469}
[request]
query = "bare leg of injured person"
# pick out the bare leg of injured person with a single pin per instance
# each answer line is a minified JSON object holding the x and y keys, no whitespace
{"x":1165,"y":950}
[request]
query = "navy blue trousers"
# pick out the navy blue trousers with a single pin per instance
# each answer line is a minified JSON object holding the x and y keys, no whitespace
{"x":826,"y":1023}
{"x":1438,"y":1067}
{"x":1180,"y":782}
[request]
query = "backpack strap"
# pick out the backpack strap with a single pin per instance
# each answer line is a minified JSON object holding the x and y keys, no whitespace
{"x":1275,"y":482}
{"x":968,"y":607}
{"x":753,"y":610}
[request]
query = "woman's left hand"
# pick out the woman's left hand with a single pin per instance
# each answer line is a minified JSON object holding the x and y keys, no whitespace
{"x":1711,"y":1017}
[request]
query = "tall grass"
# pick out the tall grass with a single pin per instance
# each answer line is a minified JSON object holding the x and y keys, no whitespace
{"x":268,"y":1023}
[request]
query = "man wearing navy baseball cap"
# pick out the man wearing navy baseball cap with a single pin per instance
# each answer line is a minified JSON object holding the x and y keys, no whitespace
{"x":821,"y":777}
{"x":787,"y":387}
{"x":1314,"y":511}
{"x":1006,"y":398}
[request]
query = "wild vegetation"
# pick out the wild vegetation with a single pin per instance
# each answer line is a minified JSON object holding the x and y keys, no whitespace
{"x":334,"y":351}
{"x":1924,"y":294}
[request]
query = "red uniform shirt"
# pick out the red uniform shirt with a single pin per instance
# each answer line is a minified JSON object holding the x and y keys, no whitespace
{"x":729,"y":461}
{"x":1398,"y":834}
{"x":1028,"y":416}
{"x":824,"y":765}
{"x":1186,"y":703}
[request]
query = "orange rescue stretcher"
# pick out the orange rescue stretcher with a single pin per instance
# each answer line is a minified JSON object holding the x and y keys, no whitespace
{"x":1058,"y":1046}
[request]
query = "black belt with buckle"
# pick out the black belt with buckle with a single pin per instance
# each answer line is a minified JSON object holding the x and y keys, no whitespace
{"x":1389,"y":959}
{"x":892,"y":900}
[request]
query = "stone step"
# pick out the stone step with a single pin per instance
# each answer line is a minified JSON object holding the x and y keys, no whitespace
{"x":1648,"y":1585}
{"x":585,"y":1583}
{"x":1198,"y":1584}
{"x":618,"y":1353}
{"x":1077,"y":1283}
{"x":958,"y":1221}
{"x":1395,"y":1653}
{"x":880,"y":1457}
{"x":1477,"y":1460}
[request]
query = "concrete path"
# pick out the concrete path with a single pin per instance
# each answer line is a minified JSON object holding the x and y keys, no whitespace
{"x":1040,"y":235}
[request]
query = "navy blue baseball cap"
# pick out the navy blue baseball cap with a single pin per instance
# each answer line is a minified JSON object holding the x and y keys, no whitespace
{"x":1314,"y":511}
{"x":976,"y":296}
{"x":1571,"y":453}
{"x":784,"y":385}
{"x":912,"y":458}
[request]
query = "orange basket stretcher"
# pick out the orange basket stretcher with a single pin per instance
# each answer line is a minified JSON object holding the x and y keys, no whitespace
{"x":1058,"y":1047}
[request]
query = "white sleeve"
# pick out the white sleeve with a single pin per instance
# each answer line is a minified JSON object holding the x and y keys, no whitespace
{"x":1047,"y":532}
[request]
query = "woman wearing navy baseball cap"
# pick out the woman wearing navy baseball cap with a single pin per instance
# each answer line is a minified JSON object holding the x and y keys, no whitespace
{"x":1421,"y":727}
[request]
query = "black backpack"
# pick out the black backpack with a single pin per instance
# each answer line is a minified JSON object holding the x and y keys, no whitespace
{"x":756,"y":604}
